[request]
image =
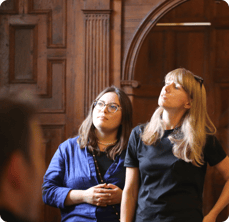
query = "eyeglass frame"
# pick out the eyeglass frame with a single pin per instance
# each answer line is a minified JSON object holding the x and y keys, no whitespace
{"x":199,"y":79}
{"x":106,"y":105}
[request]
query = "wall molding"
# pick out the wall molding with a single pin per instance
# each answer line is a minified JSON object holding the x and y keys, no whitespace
{"x":97,"y":53}
{"x":139,"y":36}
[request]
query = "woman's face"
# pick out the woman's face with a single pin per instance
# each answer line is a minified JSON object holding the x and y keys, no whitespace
{"x":173,"y":96}
{"x":105,"y":121}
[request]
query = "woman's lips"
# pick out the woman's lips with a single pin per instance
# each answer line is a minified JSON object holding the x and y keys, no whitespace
{"x":102,"y":117}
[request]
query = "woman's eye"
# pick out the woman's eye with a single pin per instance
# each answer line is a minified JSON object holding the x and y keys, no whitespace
{"x":100,"y":104}
{"x":177,"y":86}
{"x":114,"y":107}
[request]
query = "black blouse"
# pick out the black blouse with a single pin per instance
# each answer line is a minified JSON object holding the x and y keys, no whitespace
{"x":170,"y":188}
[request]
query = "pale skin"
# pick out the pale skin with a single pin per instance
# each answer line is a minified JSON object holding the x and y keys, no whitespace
{"x":130,"y":195}
{"x":171,"y":117}
{"x":106,"y":129}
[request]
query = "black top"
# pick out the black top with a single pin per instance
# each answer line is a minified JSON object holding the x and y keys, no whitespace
{"x":170,"y":189}
{"x":10,"y":217}
{"x":103,"y":162}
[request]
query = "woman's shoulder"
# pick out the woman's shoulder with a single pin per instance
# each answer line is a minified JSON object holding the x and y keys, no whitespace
{"x":211,"y":140}
{"x":139,"y":129}
{"x":71,"y":140}
{"x":69,"y":144}
{"x":213,"y":150}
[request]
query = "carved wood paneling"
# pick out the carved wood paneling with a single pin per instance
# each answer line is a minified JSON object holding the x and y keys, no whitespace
{"x":97,"y":53}
{"x":23,"y":54}
{"x":53,"y":136}
{"x":56,"y":12}
{"x":35,"y":44}
{"x":9,"y":7}
{"x":145,"y":25}
{"x":54,"y":100}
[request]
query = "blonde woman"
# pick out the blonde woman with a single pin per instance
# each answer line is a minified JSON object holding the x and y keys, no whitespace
{"x":167,"y":158}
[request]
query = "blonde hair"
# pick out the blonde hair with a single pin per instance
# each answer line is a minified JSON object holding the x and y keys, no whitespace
{"x":190,"y":138}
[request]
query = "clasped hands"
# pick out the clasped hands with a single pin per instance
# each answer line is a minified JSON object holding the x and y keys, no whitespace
{"x":103,"y":195}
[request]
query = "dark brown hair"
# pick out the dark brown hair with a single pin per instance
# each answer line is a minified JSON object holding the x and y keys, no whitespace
{"x":87,"y":135}
{"x":16,"y":112}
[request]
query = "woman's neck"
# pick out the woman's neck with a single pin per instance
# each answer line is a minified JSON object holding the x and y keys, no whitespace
{"x":105,"y":139}
{"x":171,"y":120}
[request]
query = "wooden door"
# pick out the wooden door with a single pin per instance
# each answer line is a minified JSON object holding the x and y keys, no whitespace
{"x":38,"y":53}
{"x":194,"y":35}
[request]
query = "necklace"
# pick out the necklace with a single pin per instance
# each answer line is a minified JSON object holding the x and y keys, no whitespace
{"x":102,"y":181}
{"x":177,"y":134}
{"x":107,"y":144}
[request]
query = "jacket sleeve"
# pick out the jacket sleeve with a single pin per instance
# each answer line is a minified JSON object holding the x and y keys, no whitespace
{"x":54,"y":192}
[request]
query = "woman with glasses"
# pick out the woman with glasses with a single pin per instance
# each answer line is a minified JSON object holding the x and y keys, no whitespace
{"x":86,"y":175}
{"x":167,"y":158}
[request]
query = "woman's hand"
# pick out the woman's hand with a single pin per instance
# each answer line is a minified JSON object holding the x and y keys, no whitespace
{"x":103,"y":195}
{"x":115,"y":194}
{"x":97,"y":195}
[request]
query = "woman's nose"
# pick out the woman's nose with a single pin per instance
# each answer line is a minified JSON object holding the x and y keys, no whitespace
{"x":104,"y":109}
{"x":167,"y":87}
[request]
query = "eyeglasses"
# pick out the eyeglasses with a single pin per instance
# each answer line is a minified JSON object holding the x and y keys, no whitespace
{"x":199,"y":79}
{"x":111,"y":107}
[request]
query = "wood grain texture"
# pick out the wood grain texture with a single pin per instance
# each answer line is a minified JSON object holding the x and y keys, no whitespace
{"x":97,"y":53}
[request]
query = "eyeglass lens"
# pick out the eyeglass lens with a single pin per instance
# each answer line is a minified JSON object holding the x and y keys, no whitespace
{"x":110,"y":107}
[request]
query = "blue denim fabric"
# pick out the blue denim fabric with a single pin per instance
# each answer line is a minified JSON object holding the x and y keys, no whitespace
{"x":74,"y":168}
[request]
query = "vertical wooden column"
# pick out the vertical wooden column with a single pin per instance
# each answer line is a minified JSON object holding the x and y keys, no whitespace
{"x":97,"y":53}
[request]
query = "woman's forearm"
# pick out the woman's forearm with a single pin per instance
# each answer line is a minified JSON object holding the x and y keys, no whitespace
{"x":128,"y":205}
{"x":130,"y":195}
{"x":222,"y":202}
{"x":74,"y":197}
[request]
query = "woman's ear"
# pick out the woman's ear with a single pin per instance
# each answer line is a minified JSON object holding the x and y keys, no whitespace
{"x":188,"y":104}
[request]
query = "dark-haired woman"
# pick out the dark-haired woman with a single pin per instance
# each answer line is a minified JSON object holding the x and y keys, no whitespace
{"x":86,"y":175}
{"x":167,"y":158}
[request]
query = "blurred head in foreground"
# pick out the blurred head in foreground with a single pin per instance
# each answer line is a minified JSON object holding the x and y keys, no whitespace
{"x":21,"y":158}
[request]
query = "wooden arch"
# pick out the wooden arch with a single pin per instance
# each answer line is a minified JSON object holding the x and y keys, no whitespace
{"x":127,"y":76}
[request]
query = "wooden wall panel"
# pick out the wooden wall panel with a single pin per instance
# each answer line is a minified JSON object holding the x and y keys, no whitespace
{"x":222,"y":49}
{"x":57,"y":20}
{"x":97,"y":4}
{"x":32,"y":56}
{"x":136,"y":37}
{"x":10,"y":6}
{"x":23,"y":54}
{"x":190,"y":49}
{"x":97,"y":53}
{"x":53,"y":136}
{"x":200,"y":12}
{"x":220,"y":10}
{"x":54,"y":100}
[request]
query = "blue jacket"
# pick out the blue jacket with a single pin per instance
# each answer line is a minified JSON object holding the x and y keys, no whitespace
{"x":74,"y":168}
